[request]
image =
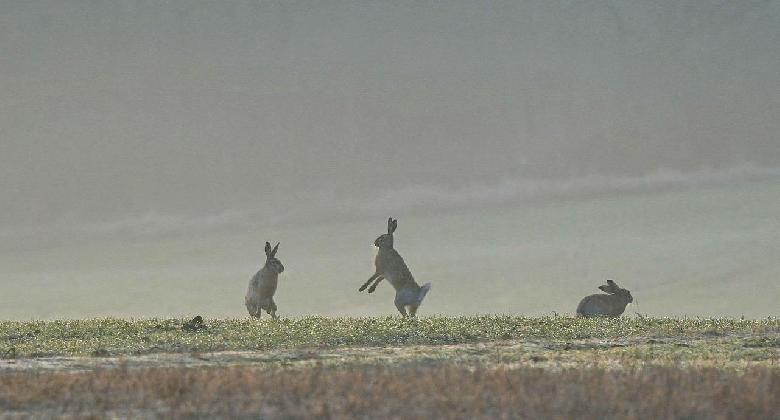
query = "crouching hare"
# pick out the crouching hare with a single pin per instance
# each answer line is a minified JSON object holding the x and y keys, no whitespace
{"x":390,"y":266}
{"x":610,"y":305}
{"x":262,"y":287}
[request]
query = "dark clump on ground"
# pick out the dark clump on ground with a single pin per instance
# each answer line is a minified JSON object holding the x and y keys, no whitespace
{"x":196,"y":324}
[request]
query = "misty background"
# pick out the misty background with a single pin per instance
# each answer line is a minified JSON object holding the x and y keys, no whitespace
{"x":530,"y":150}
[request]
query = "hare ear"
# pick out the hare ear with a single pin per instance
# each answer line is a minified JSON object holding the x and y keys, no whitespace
{"x":392,"y":226}
{"x":273,"y":252}
{"x":389,"y":225}
{"x":610,"y":287}
{"x":267,"y":249}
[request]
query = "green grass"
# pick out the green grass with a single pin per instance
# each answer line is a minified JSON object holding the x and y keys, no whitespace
{"x":117,"y":337}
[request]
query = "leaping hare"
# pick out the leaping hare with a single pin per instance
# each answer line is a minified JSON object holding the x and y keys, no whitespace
{"x":390,"y":266}
{"x":610,"y":305}
{"x":262,"y":287}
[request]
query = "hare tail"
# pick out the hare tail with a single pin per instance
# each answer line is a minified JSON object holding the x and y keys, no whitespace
{"x":423,"y":291}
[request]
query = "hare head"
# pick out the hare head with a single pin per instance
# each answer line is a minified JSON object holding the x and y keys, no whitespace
{"x":271,"y":261}
{"x":386,"y":240}
{"x":613,"y":289}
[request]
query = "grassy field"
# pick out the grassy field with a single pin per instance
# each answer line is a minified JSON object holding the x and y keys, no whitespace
{"x":466,"y":367}
{"x":123,"y":337}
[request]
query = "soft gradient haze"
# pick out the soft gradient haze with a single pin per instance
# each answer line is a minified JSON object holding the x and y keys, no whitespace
{"x":529,"y":150}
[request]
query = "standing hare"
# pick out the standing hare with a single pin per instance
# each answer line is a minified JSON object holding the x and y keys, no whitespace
{"x":390,"y":266}
{"x":611,"y":305}
{"x":262,"y":287}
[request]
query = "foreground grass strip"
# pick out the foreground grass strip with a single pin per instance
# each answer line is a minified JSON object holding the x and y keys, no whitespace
{"x":114,"y":337}
{"x":410,"y":391}
{"x":723,"y":353}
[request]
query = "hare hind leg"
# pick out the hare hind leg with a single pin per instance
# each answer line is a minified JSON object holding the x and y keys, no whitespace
{"x":270,"y":308}
{"x":253,"y":308}
{"x":404,"y":298}
{"x":255,"y":312}
{"x":401,"y":309}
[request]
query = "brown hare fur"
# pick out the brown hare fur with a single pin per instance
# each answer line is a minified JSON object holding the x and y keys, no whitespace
{"x":390,"y":266}
{"x":260,"y":295}
{"x":610,"y":305}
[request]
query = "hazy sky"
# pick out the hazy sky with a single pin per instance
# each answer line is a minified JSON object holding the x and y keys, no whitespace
{"x":112,"y":109}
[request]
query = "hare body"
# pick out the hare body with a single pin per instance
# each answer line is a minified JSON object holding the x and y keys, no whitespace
{"x":391,"y":266}
{"x":260,"y":295}
{"x":262,"y":287}
{"x":610,"y":305}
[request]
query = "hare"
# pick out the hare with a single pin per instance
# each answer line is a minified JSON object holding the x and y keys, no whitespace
{"x":390,"y":266}
{"x":262,"y":287}
{"x":611,"y":305}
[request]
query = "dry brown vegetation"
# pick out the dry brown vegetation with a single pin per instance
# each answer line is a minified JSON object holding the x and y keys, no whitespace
{"x":411,"y":391}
